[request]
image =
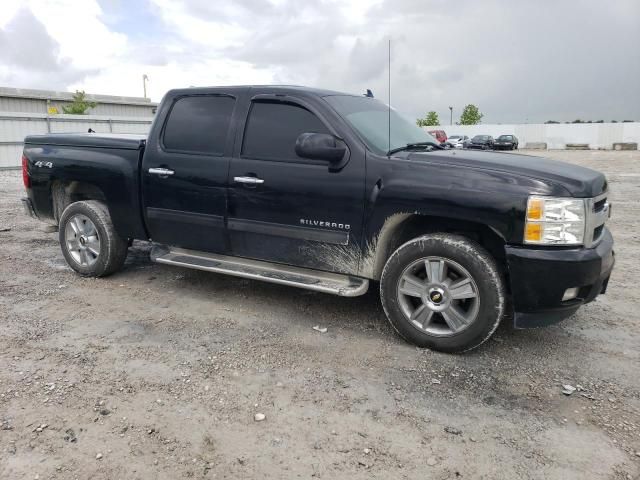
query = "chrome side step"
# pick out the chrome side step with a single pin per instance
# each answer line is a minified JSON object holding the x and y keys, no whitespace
{"x":334,"y":283}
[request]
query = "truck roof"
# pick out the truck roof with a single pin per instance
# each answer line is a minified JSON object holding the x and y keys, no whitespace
{"x":283,"y":89}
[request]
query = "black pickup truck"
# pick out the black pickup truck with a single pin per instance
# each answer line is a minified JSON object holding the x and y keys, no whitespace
{"x":311,"y":188}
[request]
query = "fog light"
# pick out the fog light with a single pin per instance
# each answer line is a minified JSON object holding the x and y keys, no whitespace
{"x":570,"y":294}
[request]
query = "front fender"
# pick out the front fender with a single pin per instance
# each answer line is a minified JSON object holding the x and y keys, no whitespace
{"x":398,"y":189}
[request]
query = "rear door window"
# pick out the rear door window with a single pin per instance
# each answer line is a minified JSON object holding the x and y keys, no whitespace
{"x":199,"y":124}
{"x":273,"y":128}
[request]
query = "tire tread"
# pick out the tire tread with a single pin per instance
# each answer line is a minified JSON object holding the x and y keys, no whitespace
{"x":115,"y":248}
{"x":473,"y":249}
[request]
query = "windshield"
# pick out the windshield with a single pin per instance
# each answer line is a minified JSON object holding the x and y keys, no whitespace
{"x":480,"y":137}
{"x":370,"y":118}
{"x":454,"y":137}
{"x":504,"y":137}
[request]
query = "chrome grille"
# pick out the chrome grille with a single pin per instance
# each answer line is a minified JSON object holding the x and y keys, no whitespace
{"x":597,"y":215}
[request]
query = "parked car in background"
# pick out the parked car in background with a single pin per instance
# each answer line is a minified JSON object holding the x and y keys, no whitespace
{"x":439,"y":135}
{"x":457,"y":141}
{"x":481,"y":142}
{"x":506,"y":142}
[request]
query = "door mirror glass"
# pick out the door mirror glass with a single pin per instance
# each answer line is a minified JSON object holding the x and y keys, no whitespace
{"x":320,"y":146}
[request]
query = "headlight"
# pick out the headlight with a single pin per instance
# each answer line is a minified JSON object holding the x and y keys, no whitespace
{"x":555,"y":221}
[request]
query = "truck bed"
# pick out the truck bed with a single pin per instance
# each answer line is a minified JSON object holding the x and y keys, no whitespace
{"x":103,"y":140}
{"x":67,"y":167}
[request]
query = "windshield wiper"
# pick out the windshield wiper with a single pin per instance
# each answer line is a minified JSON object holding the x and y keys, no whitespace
{"x":410,"y":146}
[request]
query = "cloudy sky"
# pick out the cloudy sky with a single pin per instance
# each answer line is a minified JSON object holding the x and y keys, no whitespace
{"x":518,"y":60}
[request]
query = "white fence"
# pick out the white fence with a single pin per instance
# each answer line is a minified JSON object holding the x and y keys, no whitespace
{"x":555,"y":135}
{"x":15,"y":126}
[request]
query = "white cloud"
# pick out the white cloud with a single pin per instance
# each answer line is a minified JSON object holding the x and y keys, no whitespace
{"x":102,"y":61}
{"x":76,"y":26}
{"x":126,"y":79}
{"x":211,"y":31}
{"x":29,"y":54}
{"x":531,"y":60}
{"x":55,"y":43}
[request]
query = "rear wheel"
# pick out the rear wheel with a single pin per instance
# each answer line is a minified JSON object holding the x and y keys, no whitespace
{"x":90,"y":244}
{"x":443,"y":292}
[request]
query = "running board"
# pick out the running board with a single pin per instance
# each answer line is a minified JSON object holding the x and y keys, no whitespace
{"x":334,"y":283}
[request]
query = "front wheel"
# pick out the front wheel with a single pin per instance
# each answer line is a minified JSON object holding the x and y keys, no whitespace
{"x":90,"y":244}
{"x":443,"y":292}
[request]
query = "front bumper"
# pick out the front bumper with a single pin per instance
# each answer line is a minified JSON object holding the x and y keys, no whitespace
{"x":539,"y":278}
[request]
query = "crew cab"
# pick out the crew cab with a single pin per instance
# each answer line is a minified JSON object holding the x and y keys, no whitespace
{"x":305,"y":187}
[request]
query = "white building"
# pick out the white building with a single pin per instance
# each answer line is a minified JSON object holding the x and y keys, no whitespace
{"x":45,"y":101}
{"x":31,"y":112}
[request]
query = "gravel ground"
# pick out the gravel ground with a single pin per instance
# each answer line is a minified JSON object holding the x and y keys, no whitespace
{"x":158,"y":372}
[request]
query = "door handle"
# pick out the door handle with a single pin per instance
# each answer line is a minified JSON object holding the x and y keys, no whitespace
{"x":163,"y":172}
{"x":249,"y":180}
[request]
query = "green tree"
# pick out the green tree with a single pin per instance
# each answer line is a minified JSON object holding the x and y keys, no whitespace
{"x":80,"y":105}
{"x":470,"y":115}
{"x":431,"y":119}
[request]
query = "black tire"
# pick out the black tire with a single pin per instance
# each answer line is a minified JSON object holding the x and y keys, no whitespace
{"x":481,"y":267}
{"x":112,"y":248}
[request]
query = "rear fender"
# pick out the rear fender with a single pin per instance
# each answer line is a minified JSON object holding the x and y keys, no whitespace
{"x":106,"y":174}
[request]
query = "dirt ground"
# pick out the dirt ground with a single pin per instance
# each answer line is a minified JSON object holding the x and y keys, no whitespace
{"x":158,"y":372}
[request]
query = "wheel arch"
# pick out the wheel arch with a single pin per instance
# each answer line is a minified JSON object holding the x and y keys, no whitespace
{"x":401,"y":228}
{"x":66,"y":192}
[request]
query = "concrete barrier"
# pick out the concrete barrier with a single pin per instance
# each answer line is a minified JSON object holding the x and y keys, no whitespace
{"x":577,"y":146}
{"x":625,"y":146}
{"x":535,"y":145}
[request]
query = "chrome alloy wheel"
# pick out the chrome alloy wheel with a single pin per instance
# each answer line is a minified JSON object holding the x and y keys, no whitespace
{"x":438,"y":296}
{"x":82,"y":240}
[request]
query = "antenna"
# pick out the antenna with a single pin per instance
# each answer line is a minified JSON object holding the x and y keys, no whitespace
{"x":389,"y":98}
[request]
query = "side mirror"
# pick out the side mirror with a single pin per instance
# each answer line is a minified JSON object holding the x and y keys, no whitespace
{"x":320,"y":146}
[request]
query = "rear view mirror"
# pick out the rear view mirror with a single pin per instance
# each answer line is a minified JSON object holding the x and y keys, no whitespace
{"x":320,"y":146}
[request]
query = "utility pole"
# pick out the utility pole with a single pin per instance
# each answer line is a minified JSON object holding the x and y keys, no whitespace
{"x":145,"y":79}
{"x":450,"y":115}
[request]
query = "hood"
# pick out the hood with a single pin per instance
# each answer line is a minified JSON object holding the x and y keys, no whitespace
{"x":578,"y":181}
